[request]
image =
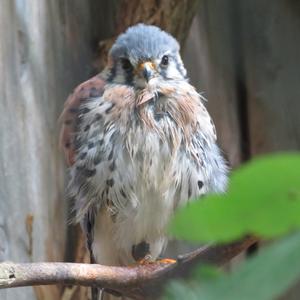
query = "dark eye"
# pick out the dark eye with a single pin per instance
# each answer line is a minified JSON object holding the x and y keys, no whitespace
{"x":126,"y":65}
{"x":165,"y":60}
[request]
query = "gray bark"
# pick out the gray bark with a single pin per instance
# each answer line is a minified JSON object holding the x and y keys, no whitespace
{"x":44,"y":52}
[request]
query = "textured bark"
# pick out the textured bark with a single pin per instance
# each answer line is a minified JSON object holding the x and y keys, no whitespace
{"x":44,"y":53}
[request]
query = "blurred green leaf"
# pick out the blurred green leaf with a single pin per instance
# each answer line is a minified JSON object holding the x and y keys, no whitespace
{"x":207,"y":272}
{"x":263,"y":199}
{"x":265,"y":276}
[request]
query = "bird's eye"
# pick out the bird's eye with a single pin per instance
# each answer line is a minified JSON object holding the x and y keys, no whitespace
{"x":126,"y":65}
{"x":165,"y":60}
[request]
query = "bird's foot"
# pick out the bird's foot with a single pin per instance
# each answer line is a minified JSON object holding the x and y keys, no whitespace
{"x":141,"y":254}
{"x":148,"y":260}
{"x":167,"y":261}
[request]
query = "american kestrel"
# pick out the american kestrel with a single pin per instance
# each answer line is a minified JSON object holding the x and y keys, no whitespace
{"x":139,"y":143}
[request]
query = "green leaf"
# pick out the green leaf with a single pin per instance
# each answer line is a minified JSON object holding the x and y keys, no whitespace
{"x":263,"y":199}
{"x":265,"y":276}
{"x":207,"y":272}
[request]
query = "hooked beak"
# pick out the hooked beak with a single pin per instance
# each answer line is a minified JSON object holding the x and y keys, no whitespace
{"x":147,"y":70}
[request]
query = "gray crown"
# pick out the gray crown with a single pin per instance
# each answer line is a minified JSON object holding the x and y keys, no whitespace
{"x":142,"y":42}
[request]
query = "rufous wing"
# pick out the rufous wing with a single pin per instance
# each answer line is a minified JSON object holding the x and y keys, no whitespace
{"x":91,"y":88}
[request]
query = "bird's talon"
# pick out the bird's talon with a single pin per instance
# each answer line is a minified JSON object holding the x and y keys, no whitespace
{"x":147,"y":260}
{"x":167,"y":261}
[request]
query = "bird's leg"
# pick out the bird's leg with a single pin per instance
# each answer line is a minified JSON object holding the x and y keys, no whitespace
{"x":145,"y":260}
{"x":149,"y":260}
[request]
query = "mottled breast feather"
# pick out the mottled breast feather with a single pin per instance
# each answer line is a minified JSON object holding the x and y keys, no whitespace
{"x":121,"y":131}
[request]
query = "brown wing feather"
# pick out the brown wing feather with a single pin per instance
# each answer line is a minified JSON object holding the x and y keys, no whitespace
{"x":93,"y":87}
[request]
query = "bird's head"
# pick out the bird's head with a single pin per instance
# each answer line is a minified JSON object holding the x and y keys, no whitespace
{"x":145,"y":55}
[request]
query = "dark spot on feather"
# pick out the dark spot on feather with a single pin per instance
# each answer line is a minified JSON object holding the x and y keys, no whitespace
{"x":216,"y":162}
{"x":89,"y":173}
{"x":179,"y":188}
{"x":200,"y":184}
{"x":113,"y":137}
{"x":110,"y":108}
{"x":82,"y":155}
{"x":91,"y":145}
{"x":190,"y":191}
{"x":98,"y":157}
{"x":98,"y":117}
{"x":158,"y":116}
{"x":67,"y":145}
{"x":94,"y":133}
{"x":110,"y":182}
{"x":123,"y":193}
{"x":100,"y":142}
{"x":112,"y":166}
{"x":87,"y":127}
{"x":84,"y":110}
{"x":140,"y":250}
{"x":82,"y":190}
{"x":110,"y":156}
{"x":108,"y":202}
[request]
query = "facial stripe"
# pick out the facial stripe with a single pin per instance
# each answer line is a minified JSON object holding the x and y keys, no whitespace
{"x":128,"y":77}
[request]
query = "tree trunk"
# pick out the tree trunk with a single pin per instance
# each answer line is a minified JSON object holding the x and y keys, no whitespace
{"x":46,"y":49}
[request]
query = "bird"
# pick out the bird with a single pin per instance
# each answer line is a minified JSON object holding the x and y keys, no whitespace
{"x":139,"y":143}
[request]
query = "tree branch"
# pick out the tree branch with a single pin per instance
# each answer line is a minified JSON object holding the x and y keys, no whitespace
{"x":139,"y":282}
